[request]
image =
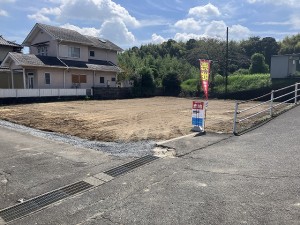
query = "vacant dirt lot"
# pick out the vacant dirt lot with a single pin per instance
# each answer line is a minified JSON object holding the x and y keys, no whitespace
{"x":158,"y":118}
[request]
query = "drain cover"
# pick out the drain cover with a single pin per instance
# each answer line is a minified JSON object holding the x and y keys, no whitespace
{"x":35,"y":204}
{"x":130,"y":166}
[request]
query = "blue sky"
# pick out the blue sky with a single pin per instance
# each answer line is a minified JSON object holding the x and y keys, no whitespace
{"x":131,"y":23}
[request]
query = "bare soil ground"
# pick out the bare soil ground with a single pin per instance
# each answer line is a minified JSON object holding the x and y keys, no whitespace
{"x":158,"y":118}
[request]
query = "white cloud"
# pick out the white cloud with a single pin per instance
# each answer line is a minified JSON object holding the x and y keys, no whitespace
{"x":216,"y":29}
{"x":3,"y":13}
{"x":189,"y":24}
{"x":184,"y":37}
{"x":100,"y":10}
{"x":205,"y":11}
{"x":116,"y":31}
{"x":157,"y":39}
{"x":295,"y":22}
{"x":113,"y":19}
{"x":238,"y":32}
{"x":84,"y":30}
{"x":50,"y":11}
{"x":39,"y":18}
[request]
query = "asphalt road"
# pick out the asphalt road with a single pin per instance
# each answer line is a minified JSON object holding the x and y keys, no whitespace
{"x":249,"y":179}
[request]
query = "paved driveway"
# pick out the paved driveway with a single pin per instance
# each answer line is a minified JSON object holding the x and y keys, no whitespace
{"x":250,"y":179}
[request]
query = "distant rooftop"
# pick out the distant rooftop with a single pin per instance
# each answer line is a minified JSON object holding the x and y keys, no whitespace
{"x":4,"y":42}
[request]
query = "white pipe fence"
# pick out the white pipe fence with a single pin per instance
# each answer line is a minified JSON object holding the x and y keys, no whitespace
{"x":23,"y":93}
{"x":272,"y":104}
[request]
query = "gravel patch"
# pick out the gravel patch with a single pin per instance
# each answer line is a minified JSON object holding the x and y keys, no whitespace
{"x":122,"y":149}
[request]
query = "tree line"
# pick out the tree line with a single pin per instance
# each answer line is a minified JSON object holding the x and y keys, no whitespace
{"x":172,"y":62}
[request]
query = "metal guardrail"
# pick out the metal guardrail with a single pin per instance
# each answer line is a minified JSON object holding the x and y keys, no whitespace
{"x":273,"y":103}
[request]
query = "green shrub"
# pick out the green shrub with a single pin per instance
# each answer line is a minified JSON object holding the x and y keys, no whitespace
{"x":258,"y":64}
{"x":190,"y":85}
{"x":241,"y":72}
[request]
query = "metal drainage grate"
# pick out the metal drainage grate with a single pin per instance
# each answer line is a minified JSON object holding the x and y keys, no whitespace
{"x":35,"y":204}
{"x":130,"y":166}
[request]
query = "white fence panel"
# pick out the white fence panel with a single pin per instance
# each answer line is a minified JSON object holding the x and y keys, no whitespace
{"x":21,"y":93}
{"x":49,"y":92}
{"x":8,"y":93}
{"x":27,"y":93}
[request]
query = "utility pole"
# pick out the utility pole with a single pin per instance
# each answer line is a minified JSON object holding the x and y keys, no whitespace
{"x":226,"y":65}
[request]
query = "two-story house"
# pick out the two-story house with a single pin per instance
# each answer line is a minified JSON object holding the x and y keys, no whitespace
{"x":63,"y":58}
{"x":6,"y":47}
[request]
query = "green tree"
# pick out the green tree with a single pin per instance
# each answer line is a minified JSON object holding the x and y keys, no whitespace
{"x":269,"y":47}
{"x":251,"y":46}
{"x":146,"y":82}
{"x":258,"y":64}
{"x":290,"y":45}
{"x":171,"y":83}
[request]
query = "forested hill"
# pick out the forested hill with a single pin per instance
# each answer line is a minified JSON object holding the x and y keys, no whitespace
{"x":183,"y":58}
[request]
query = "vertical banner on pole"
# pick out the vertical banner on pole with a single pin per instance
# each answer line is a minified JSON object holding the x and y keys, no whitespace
{"x":204,"y":75}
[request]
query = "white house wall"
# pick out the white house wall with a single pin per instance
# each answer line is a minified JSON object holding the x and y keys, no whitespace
{"x":56,"y":78}
{"x":43,"y":37}
{"x":63,"y":52}
{"x":89,"y":78}
{"x":112,"y":56}
{"x":104,"y":54}
{"x":107,"y":78}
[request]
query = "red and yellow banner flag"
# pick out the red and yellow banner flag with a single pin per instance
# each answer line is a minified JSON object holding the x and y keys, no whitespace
{"x":204,"y":74}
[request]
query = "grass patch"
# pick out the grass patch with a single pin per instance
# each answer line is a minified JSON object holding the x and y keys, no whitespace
{"x":238,"y":83}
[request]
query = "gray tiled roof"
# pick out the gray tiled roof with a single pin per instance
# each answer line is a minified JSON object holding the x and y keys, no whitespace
{"x":103,"y":43}
{"x":50,"y":61}
{"x":65,"y":34}
{"x":8,"y":43}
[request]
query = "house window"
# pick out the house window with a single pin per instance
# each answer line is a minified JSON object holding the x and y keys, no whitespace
{"x":101,"y":80}
{"x":78,"y":79}
{"x":74,"y":52}
{"x":113,"y":79}
{"x":47,"y":78}
{"x":42,"y":50}
{"x":92,"y":53}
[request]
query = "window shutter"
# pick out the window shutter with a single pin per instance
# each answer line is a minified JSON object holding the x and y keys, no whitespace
{"x":83,"y":79}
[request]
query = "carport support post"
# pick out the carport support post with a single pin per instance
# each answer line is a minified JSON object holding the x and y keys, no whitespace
{"x":12,"y":79}
{"x":24,"y":79}
{"x":271,"y":103}
{"x":235,"y":117}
